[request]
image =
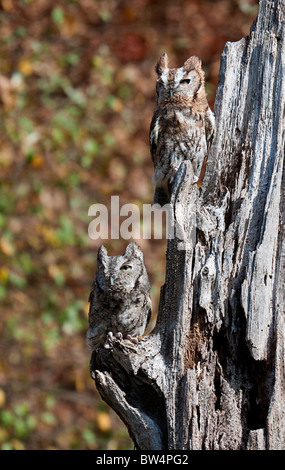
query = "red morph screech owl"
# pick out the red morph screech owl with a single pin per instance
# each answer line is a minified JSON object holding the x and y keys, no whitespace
{"x":183,"y":125}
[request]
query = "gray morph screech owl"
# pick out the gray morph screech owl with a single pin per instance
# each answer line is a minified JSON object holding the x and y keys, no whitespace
{"x":120,"y":305}
{"x":183,"y":125}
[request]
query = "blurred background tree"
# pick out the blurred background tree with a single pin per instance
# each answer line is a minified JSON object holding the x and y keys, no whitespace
{"x":77,"y":91}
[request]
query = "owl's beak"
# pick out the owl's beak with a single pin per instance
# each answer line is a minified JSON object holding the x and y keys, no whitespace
{"x":111,"y":280}
{"x":171,"y":92}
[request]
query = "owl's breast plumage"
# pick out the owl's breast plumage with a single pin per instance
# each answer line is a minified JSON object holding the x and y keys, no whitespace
{"x":176,"y":135}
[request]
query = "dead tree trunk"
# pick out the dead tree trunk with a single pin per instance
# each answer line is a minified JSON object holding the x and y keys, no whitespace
{"x":212,"y":373}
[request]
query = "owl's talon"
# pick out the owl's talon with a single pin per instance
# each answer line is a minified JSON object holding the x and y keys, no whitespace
{"x":112,"y":339}
{"x":173,"y":175}
{"x":109,"y":343}
{"x":117,"y":339}
{"x":133,"y":339}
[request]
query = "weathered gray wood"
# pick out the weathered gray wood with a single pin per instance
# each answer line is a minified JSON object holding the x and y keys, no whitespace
{"x":212,"y":373}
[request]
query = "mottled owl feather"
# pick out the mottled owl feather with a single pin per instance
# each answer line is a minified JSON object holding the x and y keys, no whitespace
{"x":120,"y":304}
{"x":183,"y":125}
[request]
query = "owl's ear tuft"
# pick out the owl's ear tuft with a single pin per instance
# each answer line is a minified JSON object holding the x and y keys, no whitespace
{"x":102,"y":255}
{"x":133,"y":250}
{"x":162,"y":64}
{"x":192,"y":63}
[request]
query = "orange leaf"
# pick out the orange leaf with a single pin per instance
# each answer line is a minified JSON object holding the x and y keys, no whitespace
{"x":104,"y":421}
{"x":25,"y":66}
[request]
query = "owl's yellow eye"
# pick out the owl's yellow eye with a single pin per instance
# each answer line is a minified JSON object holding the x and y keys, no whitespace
{"x":185,"y":81}
{"x":125,"y":267}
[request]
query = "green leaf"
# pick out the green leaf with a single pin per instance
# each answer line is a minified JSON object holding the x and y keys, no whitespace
{"x":6,"y":418}
{"x":86,"y":161}
{"x":65,"y":233}
{"x":91,"y":146}
{"x":17,"y":280}
{"x":57,"y":135}
{"x":48,"y":418}
{"x":89,"y":436}
{"x":3,"y":292}
{"x":57,"y":15}
{"x":71,"y":319}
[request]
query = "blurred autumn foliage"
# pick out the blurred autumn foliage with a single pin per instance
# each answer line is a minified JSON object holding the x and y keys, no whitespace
{"x":77,"y":90}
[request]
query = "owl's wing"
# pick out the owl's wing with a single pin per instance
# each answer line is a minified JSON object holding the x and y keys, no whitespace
{"x":210,"y":127}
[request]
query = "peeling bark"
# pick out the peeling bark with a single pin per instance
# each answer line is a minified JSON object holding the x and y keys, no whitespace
{"x":212,"y":373}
